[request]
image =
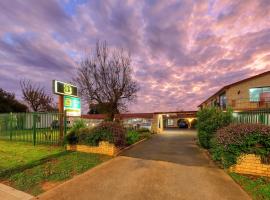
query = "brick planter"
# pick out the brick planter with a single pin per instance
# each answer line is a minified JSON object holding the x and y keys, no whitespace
{"x":251,"y":164}
{"x":103,"y":148}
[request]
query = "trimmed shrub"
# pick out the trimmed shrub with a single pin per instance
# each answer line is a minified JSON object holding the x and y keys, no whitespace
{"x":132,"y":137}
{"x":73,"y":134}
{"x":105,"y":131}
{"x":236,"y":139}
{"x":209,"y":120}
{"x":74,"y":137}
{"x":77,"y":125}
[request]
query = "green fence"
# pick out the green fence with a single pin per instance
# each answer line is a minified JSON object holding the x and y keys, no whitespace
{"x":254,"y":117}
{"x":38,"y":128}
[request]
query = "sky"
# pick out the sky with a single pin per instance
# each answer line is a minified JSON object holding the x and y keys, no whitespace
{"x":182,"y":51}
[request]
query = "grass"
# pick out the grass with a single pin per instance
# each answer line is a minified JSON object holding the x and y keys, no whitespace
{"x":42,"y":177}
{"x":17,"y":154}
{"x":257,"y":187}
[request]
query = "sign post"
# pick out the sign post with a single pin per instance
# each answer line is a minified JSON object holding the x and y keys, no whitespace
{"x":69,"y":104}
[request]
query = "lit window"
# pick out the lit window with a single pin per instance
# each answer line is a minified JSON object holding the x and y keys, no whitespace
{"x":170,"y":122}
{"x":259,"y":94}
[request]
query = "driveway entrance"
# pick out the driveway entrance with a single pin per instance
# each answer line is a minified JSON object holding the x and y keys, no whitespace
{"x":168,"y":166}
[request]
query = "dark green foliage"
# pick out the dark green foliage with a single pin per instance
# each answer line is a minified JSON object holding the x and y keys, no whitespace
{"x":95,"y":136}
{"x":232,"y":141}
{"x":73,"y":134}
{"x":72,"y":137}
{"x":8,"y":103}
{"x":78,"y":124}
{"x":209,"y":120}
{"x":132,"y":137}
{"x":105,"y":131}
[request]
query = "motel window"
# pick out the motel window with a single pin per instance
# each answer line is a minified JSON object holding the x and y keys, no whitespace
{"x":170,"y":122}
{"x":223,"y":100}
{"x":259,"y":94}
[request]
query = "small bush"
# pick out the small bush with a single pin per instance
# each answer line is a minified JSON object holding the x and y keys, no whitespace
{"x":72,"y":137}
{"x":236,"y":139}
{"x":209,"y":120}
{"x":132,"y":137}
{"x":77,"y":125}
{"x":145,"y":135}
{"x":106,"y":131}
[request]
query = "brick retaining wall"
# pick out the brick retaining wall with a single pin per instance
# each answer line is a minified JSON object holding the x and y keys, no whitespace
{"x":103,"y":148}
{"x":251,"y":164}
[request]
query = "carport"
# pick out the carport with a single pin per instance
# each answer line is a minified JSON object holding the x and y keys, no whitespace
{"x":170,"y":120}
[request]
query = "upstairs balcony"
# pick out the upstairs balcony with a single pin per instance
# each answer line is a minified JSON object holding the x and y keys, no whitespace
{"x":246,"y":104}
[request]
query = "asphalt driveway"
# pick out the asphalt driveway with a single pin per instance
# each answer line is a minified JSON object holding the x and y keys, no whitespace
{"x":168,"y":166}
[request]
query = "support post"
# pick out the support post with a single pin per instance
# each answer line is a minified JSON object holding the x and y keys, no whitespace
{"x":34,"y":128}
{"x":61,"y":117}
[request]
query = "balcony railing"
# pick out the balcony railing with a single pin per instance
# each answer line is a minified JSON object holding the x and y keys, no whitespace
{"x":245,"y":104}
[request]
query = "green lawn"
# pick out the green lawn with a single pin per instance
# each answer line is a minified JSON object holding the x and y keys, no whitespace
{"x":257,"y":187}
{"x":35,"y":169}
{"x":16,"y":154}
{"x":42,"y":177}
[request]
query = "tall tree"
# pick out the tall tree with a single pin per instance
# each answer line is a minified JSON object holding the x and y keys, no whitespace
{"x":105,"y":78}
{"x":36,"y":97}
{"x":8,"y":103}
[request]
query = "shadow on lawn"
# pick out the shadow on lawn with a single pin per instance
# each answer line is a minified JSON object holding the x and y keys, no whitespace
{"x":8,"y":172}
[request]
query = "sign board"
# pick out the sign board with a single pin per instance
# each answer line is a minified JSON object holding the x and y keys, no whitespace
{"x":72,"y":106}
{"x":62,"y":88}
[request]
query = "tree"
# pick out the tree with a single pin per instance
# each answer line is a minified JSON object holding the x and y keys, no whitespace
{"x":36,"y":97}
{"x":99,"y":108}
{"x":8,"y":103}
{"x":105,"y":78}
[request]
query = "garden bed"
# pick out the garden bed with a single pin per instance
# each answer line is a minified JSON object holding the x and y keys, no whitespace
{"x":107,"y":138}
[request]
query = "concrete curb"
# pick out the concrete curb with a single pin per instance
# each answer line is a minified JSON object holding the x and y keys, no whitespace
{"x":9,"y":193}
{"x":130,"y":146}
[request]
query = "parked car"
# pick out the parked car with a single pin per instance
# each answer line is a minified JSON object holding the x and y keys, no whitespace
{"x":183,"y":124}
{"x":146,"y":126}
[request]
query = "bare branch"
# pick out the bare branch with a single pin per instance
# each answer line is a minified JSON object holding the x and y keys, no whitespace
{"x":35,"y":97}
{"x":105,"y":78}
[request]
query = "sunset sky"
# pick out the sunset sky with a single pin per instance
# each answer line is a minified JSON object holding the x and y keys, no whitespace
{"x":182,"y":51}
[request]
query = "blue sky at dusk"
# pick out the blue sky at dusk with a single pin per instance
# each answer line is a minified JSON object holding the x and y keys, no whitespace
{"x":182,"y":51}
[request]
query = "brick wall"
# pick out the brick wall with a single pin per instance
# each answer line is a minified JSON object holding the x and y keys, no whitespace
{"x":103,"y":148}
{"x":251,"y":164}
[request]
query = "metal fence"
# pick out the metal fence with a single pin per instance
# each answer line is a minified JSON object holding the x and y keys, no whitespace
{"x":38,"y":128}
{"x":253,"y":116}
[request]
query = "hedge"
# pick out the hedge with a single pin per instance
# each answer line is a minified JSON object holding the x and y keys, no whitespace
{"x":236,"y":139}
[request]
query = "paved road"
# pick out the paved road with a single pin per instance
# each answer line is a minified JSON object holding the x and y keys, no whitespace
{"x":166,"y":167}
